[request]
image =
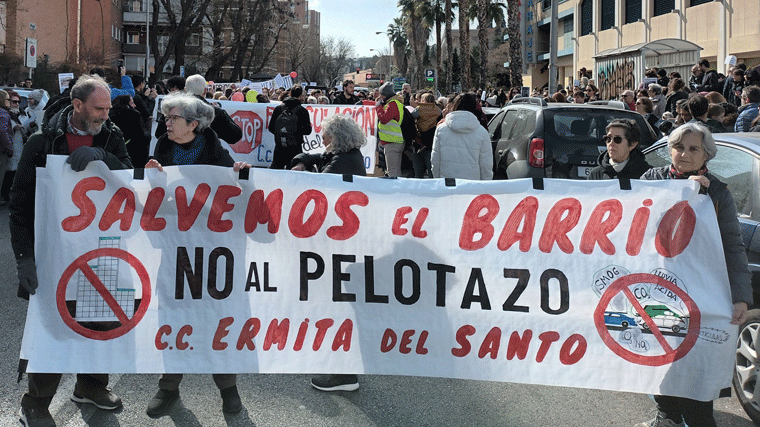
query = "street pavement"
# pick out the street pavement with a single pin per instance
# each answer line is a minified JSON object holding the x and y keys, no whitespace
{"x":288,"y":400}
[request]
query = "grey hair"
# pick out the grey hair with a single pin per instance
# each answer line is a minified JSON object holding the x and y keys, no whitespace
{"x":345,"y":133}
{"x":196,"y":85}
{"x":654,"y":87}
{"x":190,"y":107}
{"x":86,"y":85}
{"x":708,"y":143}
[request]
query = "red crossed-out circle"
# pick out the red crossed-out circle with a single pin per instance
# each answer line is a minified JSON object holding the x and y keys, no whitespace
{"x":81,"y":264}
{"x":671,"y":354}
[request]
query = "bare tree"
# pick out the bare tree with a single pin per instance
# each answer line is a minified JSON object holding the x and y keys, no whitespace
{"x":244,"y":34}
{"x":329,"y":62}
{"x":181,"y":18}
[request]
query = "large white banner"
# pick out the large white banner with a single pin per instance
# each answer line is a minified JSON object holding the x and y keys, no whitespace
{"x":257,"y":145}
{"x":196,"y":270}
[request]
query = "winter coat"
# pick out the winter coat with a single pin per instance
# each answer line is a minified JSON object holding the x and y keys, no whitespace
{"x":212,"y":153}
{"x":672,"y":99}
{"x":304,"y":122}
{"x":347,"y":162}
{"x":51,"y":139}
{"x":635,"y":167}
{"x":659,"y":105}
{"x":710,"y":83}
{"x":462,"y":148}
{"x":747,"y":113}
{"x":739,"y":276}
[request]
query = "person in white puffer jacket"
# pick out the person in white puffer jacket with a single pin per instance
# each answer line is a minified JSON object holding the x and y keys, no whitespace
{"x":461,"y":146}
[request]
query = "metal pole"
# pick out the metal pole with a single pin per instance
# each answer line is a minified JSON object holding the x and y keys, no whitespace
{"x":147,"y":40}
{"x":553,"y":51}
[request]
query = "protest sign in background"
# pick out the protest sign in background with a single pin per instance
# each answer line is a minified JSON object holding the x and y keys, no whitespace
{"x":195,"y":270}
{"x":257,"y":145}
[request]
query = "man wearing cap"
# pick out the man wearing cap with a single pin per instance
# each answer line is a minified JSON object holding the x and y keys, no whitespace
{"x":390,"y":111}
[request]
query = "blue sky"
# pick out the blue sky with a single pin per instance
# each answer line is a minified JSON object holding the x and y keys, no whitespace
{"x":358,"y":20}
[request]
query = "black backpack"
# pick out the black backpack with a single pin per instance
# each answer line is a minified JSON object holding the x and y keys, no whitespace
{"x":286,"y":129}
{"x":408,"y":127}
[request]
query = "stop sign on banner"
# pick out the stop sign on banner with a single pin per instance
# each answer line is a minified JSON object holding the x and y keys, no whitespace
{"x":253,"y":129}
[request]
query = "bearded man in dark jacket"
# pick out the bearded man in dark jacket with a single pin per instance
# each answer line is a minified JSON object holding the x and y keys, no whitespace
{"x":82,"y":131}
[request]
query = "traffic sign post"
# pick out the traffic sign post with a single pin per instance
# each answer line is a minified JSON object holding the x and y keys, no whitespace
{"x":30,"y":58}
{"x":431,"y":76}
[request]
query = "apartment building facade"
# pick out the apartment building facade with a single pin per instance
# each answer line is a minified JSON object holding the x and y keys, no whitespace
{"x":616,"y":40}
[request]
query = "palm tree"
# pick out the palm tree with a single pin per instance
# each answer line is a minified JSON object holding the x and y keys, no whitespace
{"x":448,"y":17}
{"x":432,"y":13}
{"x":397,"y":36}
{"x":483,"y":25}
{"x":417,"y":34}
{"x":488,"y":13}
{"x":464,"y":44}
{"x":515,"y":54}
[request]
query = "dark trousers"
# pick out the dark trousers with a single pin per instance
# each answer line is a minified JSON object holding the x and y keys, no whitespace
{"x":695,"y":412}
{"x":5,"y":190}
{"x":171,"y":381}
{"x":284,"y":155}
{"x":42,"y":387}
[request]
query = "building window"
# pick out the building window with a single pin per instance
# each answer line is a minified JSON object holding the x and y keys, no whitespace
{"x":546,"y":4}
{"x":608,"y":14}
{"x":632,"y":11}
{"x":698,"y":2}
{"x":133,"y":37}
{"x":661,"y":7}
{"x":587,"y":17}
{"x":194,"y":40}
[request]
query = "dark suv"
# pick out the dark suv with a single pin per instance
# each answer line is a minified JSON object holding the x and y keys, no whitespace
{"x":534,"y":138}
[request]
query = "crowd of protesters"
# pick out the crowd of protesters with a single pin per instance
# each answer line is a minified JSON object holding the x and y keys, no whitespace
{"x":442,"y":137}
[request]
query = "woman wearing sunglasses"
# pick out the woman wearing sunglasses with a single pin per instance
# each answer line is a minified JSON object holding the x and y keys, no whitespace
{"x":623,"y":158}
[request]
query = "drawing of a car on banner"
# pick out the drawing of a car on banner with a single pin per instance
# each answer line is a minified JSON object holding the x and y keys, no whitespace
{"x":617,"y":319}
{"x":665,"y":319}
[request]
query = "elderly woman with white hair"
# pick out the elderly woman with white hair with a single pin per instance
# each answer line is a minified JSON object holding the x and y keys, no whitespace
{"x":189,"y":139}
{"x":691,"y":147}
{"x":343,"y":140}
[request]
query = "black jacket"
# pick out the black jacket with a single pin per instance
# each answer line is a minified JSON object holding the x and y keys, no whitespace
{"x":51,"y":139}
{"x":212,"y":154}
{"x":341,"y":98}
{"x":635,"y":167}
{"x":304,"y":121}
{"x":131,"y":124}
{"x":710,"y":83}
{"x":223,"y":125}
{"x":349,"y":162}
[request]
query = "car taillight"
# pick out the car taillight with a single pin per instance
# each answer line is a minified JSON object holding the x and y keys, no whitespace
{"x":536,"y":153}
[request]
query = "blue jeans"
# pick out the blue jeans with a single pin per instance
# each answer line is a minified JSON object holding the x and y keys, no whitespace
{"x":421,"y":163}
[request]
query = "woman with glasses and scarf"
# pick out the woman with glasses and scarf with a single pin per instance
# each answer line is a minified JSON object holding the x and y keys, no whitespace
{"x":691,"y":147}
{"x":623,"y":158}
{"x":190,"y":141}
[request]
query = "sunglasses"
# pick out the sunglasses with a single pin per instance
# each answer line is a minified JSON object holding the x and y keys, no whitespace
{"x":616,"y":139}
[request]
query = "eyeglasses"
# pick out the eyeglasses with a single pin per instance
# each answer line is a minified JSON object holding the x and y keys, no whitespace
{"x":15,"y":101}
{"x":172,"y":118}
{"x":616,"y":139}
{"x":639,"y":103}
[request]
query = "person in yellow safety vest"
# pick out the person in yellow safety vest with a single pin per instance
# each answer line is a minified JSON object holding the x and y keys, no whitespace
{"x":390,"y":112}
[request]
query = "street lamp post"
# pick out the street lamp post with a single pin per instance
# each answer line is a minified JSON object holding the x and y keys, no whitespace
{"x":390,"y":54}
